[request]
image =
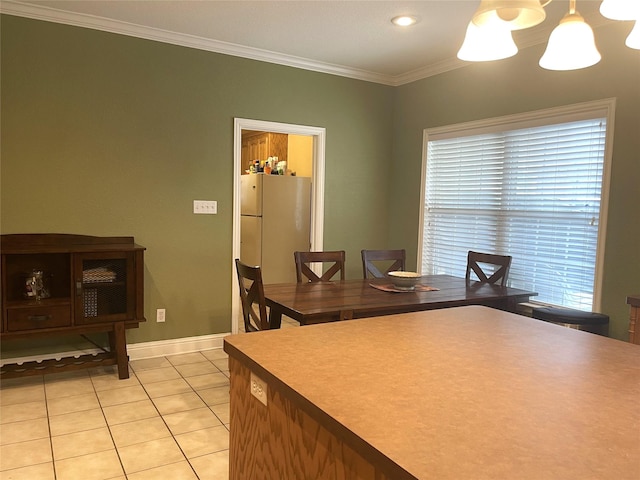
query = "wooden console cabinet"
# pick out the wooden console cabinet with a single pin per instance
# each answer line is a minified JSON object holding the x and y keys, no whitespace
{"x":89,"y":284}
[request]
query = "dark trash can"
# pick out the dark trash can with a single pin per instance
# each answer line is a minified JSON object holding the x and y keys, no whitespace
{"x":587,"y":321}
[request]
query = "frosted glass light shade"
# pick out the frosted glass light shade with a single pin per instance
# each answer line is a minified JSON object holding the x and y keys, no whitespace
{"x":633,"y":40}
{"x":518,"y":14}
{"x":483,"y":44}
{"x":571,"y":45}
{"x":620,"y":9}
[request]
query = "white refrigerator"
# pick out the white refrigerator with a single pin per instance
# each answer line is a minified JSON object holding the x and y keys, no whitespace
{"x":275,"y":221}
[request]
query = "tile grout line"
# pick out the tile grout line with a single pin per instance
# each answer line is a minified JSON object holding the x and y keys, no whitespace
{"x":192,"y":389}
{"x":106,"y":422}
{"x":46,"y":409}
{"x":92,"y":376}
{"x":165,"y":423}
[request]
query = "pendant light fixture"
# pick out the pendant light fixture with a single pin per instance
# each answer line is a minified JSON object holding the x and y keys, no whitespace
{"x":518,"y":14}
{"x":486,"y":43}
{"x":633,"y":40}
{"x":620,"y":9}
{"x":571,"y":44}
{"x":624,"y":10}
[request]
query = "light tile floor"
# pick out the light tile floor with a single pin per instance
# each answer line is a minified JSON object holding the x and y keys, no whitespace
{"x":169,"y":420}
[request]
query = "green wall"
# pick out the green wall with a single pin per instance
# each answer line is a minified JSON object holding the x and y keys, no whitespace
{"x":105,"y":134}
{"x":517,"y":85}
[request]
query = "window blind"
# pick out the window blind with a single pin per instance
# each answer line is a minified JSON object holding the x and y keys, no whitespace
{"x":533,"y":193}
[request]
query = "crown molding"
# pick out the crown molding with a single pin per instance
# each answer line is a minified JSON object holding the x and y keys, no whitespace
{"x":48,"y":14}
{"x":428,"y":71}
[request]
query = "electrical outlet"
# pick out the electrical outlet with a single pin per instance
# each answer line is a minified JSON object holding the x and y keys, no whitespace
{"x":160,"y":315}
{"x":259,"y":389}
{"x":206,"y":207}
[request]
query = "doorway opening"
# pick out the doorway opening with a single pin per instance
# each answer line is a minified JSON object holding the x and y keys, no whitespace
{"x":317,"y":188}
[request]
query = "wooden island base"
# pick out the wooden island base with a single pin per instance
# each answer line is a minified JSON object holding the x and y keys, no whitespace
{"x":449,"y":394}
{"x":285,"y":442}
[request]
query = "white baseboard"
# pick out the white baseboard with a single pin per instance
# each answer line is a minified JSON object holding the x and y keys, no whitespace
{"x":138,"y":351}
{"x":174,"y":346}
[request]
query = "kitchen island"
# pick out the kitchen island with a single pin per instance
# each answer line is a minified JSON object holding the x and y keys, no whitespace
{"x":467,"y":392}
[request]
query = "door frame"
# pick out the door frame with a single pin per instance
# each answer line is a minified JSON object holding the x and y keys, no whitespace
{"x":317,"y":191}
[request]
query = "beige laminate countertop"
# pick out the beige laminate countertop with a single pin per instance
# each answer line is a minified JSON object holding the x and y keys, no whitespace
{"x":463,"y":393}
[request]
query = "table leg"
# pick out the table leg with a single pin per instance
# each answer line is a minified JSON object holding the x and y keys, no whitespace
{"x":275,"y":318}
{"x":346,"y":314}
{"x":118,"y":344}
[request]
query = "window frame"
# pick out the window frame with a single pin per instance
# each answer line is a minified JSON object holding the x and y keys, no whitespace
{"x":562,"y":114}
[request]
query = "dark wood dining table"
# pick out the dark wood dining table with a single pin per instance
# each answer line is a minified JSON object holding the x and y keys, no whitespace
{"x":321,"y":302}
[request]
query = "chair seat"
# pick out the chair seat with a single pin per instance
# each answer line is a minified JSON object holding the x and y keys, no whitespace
{"x":565,"y":315}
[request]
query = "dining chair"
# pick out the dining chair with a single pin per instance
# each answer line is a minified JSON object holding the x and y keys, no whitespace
{"x":254,"y":306}
{"x":488,"y":267}
{"x":374,"y":260}
{"x":304,"y":259}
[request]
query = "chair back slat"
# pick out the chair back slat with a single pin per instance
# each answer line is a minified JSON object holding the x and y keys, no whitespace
{"x":254,"y":306}
{"x":393,"y":259}
{"x":304,"y":259}
{"x":499,"y":263}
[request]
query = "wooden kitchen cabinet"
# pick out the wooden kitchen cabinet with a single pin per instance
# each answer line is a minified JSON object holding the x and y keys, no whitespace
{"x":88,"y":285}
{"x":262,"y":145}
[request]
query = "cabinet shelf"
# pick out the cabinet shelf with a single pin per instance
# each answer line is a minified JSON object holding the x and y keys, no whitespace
{"x":102,"y":284}
{"x":56,"y":365}
{"x":45,"y":302}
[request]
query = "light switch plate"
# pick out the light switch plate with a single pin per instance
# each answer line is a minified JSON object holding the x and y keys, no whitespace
{"x":206,"y":207}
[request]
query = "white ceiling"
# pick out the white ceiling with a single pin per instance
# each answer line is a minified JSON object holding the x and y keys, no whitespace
{"x":349,"y":38}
